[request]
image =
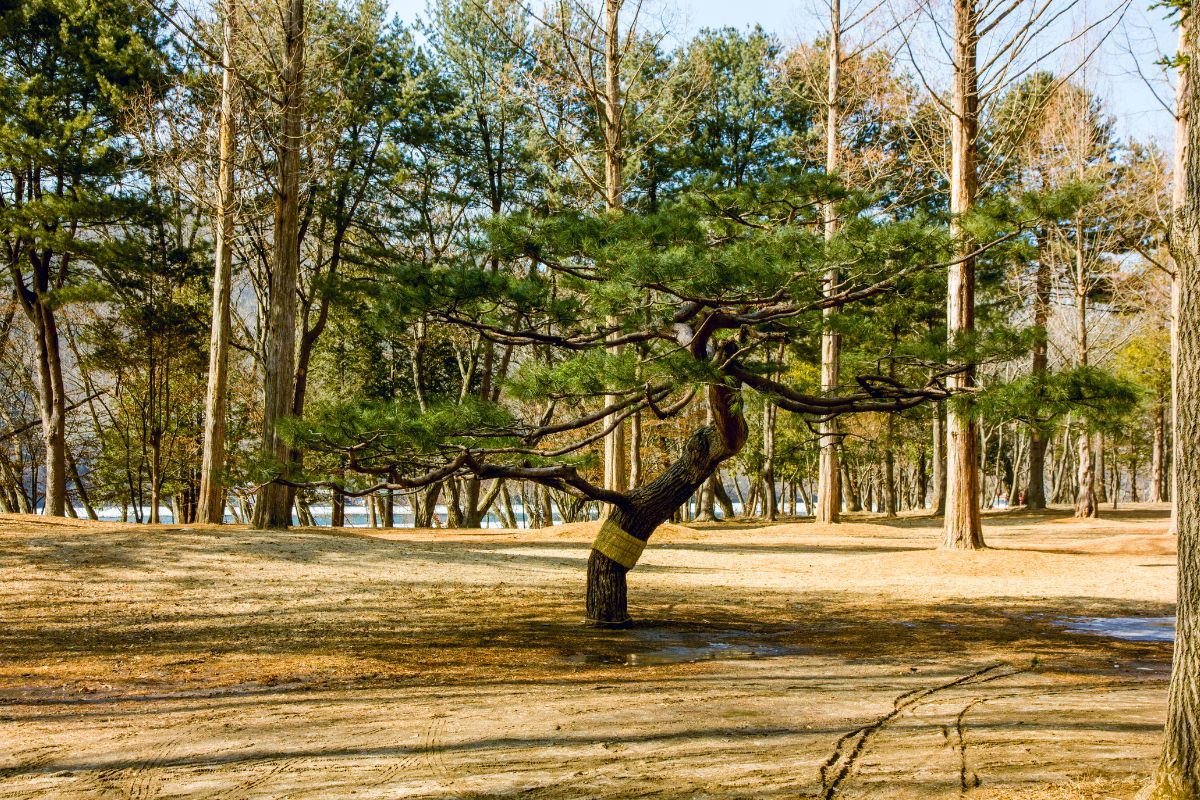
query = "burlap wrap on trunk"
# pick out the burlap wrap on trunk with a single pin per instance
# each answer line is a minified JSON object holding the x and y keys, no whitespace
{"x":618,"y":545}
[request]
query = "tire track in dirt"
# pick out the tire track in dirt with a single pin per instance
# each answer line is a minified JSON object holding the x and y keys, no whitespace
{"x":434,"y":753}
{"x":145,"y":782}
{"x":969,"y":779}
{"x":243,"y":789}
{"x":34,"y":758}
{"x":842,"y":761}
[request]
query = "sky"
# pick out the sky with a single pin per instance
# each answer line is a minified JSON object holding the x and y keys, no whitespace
{"x":1122,"y":71}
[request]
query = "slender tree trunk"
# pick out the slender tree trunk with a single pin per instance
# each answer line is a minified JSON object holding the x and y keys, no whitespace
{"x":635,"y":450}
{"x":80,"y":487}
{"x":337,"y":515}
{"x":770,"y":501}
{"x":890,"y":500}
{"x":1158,"y":473}
{"x":274,"y":506}
{"x":615,"y":470}
{"x":721,"y":496}
{"x":1086,"y":505}
{"x":155,"y":479}
{"x":1101,"y":468}
{"x":938,"y":504}
{"x":706,"y":510}
{"x":922,"y":481}
{"x":1085,"y":498}
{"x":962,"y":525}
{"x":212,"y":459}
{"x":387,"y":503}
{"x":1035,"y":489}
{"x":851,"y":493}
{"x":546,"y":510}
{"x":829,"y":494}
{"x":52,"y":397}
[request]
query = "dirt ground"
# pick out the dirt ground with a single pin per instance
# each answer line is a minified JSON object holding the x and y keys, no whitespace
{"x":792,"y":660}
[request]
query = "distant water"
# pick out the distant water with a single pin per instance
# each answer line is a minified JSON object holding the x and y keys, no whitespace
{"x":1133,"y":629}
{"x":357,"y":515}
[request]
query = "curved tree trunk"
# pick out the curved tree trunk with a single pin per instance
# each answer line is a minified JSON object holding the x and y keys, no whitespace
{"x":628,"y":526}
{"x":721,"y":495}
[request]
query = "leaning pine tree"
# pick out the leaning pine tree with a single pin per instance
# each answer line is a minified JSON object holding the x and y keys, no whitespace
{"x":702,"y":294}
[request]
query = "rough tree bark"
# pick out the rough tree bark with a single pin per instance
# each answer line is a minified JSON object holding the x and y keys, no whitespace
{"x":1178,"y":774}
{"x":274,"y":506}
{"x":653,"y":504}
{"x":962,"y":523}
{"x":829,"y":494}
{"x":212,"y":460}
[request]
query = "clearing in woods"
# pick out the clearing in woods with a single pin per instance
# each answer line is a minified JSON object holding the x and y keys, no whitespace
{"x":790,"y":660}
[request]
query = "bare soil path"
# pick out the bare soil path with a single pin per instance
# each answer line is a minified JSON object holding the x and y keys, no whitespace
{"x":794,"y":660}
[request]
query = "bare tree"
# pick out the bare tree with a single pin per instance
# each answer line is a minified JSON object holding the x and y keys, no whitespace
{"x":212,"y":491}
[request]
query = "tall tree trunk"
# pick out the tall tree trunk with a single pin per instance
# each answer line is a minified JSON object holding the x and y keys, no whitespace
{"x":829,"y":494}
{"x":962,"y":525}
{"x":890,"y":504}
{"x":1086,"y":505}
{"x":52,"y":392}
{"x":212,"y":460}
{"x":850,"y":494}
{"x":544,"y":508}
{"x":156,"y":479}
{"x":274,"y":506}
{"x":635,"y":450}
{"x":770,"y":501}
{"x":1085,"y":498}
{"x":922,"y":481}
{"x":615,"y":470}
{"x":706,"y":510}
{"x":81,"y":488}
{"x":387,"y":505}
{"x":1035,"y":488}
{"x":1158,"y":473}
{"x":53,"y":407}
{"x":337,"y":515}
{"x":938,"y":504}
{"x":427,"y":499}
{"x":721,"y":495}
{"x":1178,"y":774}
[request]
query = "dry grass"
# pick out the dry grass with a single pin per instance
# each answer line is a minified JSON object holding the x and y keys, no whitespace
{"x":222,"y":662}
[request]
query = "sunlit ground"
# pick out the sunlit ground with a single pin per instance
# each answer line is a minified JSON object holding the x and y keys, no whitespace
{"x":785,"y":661}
